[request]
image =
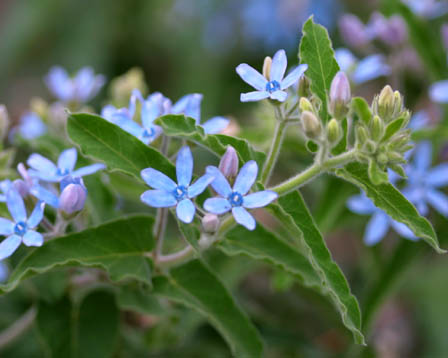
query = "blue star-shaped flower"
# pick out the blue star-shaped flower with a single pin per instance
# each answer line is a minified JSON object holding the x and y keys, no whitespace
{"x":236,"y":199}
{"x":31,"y":126}
{"x":21,"y":229}
{"x":46,"y":170}
{"x":274,"y":87}
{"x":167,"y":193}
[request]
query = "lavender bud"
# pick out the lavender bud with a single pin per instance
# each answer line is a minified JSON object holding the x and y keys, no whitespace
{"x":392,"y":31}
{"x":72,"y":198}
{"x":229,"y":163}
{"x":353,"y":31}
{"x":21,"y":187}
{"x":340,"y":95}
{"x":210,"y":223}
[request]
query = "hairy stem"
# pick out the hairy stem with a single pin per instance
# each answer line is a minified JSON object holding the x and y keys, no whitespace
{"x":159,"y":230}
{"x":18,"y":327}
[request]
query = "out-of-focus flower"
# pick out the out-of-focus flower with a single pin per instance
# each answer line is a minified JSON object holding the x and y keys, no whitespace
{"x":5,"y":185}
{"x":236,"y":199}
{"x":419,"y":120}
{"x":31,"y":126}
{"x":80,"y":89}
{"x":392,"y":31}
{"x":167,"y":193}
{"x":46,"y":170}
{"x":21,"y":229}
{"x":274,"y":86}
{"x":427,"y":8}
{"x":438,"y":92}
{"x":24,"y":185}
{"x":353,"y":31}
{"x":4,"y":272}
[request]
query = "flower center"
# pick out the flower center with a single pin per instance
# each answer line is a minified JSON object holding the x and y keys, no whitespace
{"x":180,"y":192}
{"x":235,"y":199}
{"x":148,"y":134}
{"x":272,"y":86}
{"x":62,"y":172}
{"x":20,"y":228}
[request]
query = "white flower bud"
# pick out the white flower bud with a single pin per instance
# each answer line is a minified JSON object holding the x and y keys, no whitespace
{"x":340,"y":95}
{"x":311,"y":125}
{"x":72,"y":198}
{"x":210,"y":223}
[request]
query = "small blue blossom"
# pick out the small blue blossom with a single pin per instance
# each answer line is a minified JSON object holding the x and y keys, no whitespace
{"x":438,"y":92}
{"x":420,"y":120}
{"x":81,"y":88}
{"x":380,"y":222}
{"x":236,"y":199}
{"x":167,"y":193}
{"x":427,"y":8}
{"x":21,"y":228}
{"x":46,"y":170}
{"x":5,"y":185}
{"x":31,"y":126}
{"x":274,"y":87}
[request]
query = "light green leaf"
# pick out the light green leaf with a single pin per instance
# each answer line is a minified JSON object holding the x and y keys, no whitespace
{"x":194,"y":285}
{"x":361,"y":109}
{"x":317,"y":52}
{"x":119,"y":247}
{"x":388,"y":198}
{"x":104,"y":141}
{"x":331,"y":276}
{"x":342,"y":145}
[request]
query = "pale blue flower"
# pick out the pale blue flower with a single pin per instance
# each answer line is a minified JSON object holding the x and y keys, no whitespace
{"x":236,"y":199}
{"x":81,"y":88}
{"x":167,"y":193}
{"x":438,"y":92}
{"x":380,"y":222}
{"x":5,"y":185}
{"x":21,"y":228}
{"x":427,"y":8}
{"x":46,"y":170}
{"x":31,"y":126}
{"x":274,"y":88}
{"x":420,"y":120}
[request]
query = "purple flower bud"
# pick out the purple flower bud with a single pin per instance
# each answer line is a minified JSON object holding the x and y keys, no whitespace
{"x":72,"y":198}
{"x":21,"y":186}
{"x":444,"y":31}
{"x":353,"y":31}
{"x":210,"y":223}
{"x":229,"y":163}
{"x":394,"y":32}
{"x":340,"y":95}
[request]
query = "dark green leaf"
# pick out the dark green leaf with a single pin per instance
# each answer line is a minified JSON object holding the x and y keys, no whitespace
{"x":139,"y":299}
{"x":191,"y":233}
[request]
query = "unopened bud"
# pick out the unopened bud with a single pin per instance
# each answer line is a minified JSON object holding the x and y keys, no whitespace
{"x":311,"y":124}
{"x":398,"y":103}
{"x":39,"y":106}
{"x":340,"y":95}
{"x":267,"y":68}
{"x":377,"y":128}
{"x":229,"y":163}
{"x":334,"y":131}
{"x":361,"y":136}
{"x":370,"y":146}
{"x":72,"y":198}
{"x":353,"y":31}
{"x":4,"y":122}
{"x":382,"y":159}
{"x":392,"y":31}
{"x":210,"y":223}
{"x":305,"y":105}
{"x":304,"y":86}
{"x":386,"y":101}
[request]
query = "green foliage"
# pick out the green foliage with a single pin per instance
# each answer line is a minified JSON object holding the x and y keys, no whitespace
{"x":362,"y":109}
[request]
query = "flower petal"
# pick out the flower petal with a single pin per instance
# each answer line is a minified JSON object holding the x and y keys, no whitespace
{"x":279,"y":95}
{"x":423,"y":157}
{"x":252,"y":76}
{"x":67,"y":159}
{"x":89,"y":169}
{"x":293,"y":76}
{"x":361,"y":204}
{"x":215,"y":125}
{"x":41,"y":164}
{"x":278,"y":67}
{"x":45,"y":195}
{"x":217,"y":205}
{"x":438,"y":176}
{"x":259,"y":199}
{"x":220,"y":183}
{"x":246,"y":177}
{"x":33,"y":238}
{"x":9,"y":245}
{"x":158,"y":198}
{"x":15,"y":205}
{"x":438,"y":92}
{"x":369,"y":68}
{"x":185,"y":211}
{"x":403,"y":230}
{"x":200,"y":185}
{"x":129,"y":126}
{"x":37,"y":215}
{"x":243,"y":217}
{"x":6,"y":227}
{"x":376,"y":228}
{"x":157,"y":180}
{"x":59,"y":83}
{"x":184,"y":166}
{"x":345,"y":59}
{"x":254,"y":96}
{"x":438,"y":201}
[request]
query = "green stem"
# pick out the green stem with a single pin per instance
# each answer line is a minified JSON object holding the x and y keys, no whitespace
{"x":19,"y":327}
{"x":159,"y":230}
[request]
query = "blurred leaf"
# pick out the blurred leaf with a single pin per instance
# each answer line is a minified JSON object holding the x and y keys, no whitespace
{"x":191,"y":233}
{"x":389,"y":199}
{"x":194,"y":285}
{"x":317,"y":52}
{"x":362,"y":109}
{"x":138,"y":299}
{"x":119,"y":247}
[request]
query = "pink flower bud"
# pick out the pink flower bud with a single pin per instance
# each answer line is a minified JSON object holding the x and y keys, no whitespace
{"x":72,"y":198}
{"x":340,"y":95}
{"x":21,"y":187}
{"x":210,"y":223}
{"x":229,"y":163}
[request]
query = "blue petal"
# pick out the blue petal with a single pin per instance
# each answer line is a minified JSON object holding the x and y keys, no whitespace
{"x":41,"y":164}
{"x":151,"y":109}
{"x":184,"y":166}
{"x":33,"y":238}
{"x":87,"y":84}
{"x":254,"y":96}
{"x":278,"y":66}
{"x":185,"y":211}
{"x":157,"y":180}
{"x":6,"y":227}
{"x":158,"y":198}
{"x":215,"y":125}
{"x":217,"y":205}
{"x":423,"y":157}
{"x":220,"y":183}
{"x":108,"y":112}
{"x":361,"y":204}
{"x":438,"y":92}
{"x":293,"y":76}
{"x":376,"y":228}
{"x":15,"y":205}
{"x":279,"y":95}
{"x":259,"y":199}
{"x":438,"y":176}
{"x":370,"y":68}
{"x":193,"y":108}
{"x":200,"y":185}
{"x":345,"y":59}
{"x":438,"y":201}
{"x":59,"y":83}
{"x":9,"y":245}
{"x":36,"y":215}
{"x":181,"y":104}
{"x":419,"y":120}
{"x":130,"y":126}
{"x":89,"y":169}
{"x":31,"y":126}
{"x":403,"y":230}
{"x":45,"y":195}
{"x":252,"y":76}
{"x":243,"y":217}
{"x":246,"y":177}
{"x":67,"y":159}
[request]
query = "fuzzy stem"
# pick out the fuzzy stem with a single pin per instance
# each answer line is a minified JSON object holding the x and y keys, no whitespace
{"x":18,"y":327}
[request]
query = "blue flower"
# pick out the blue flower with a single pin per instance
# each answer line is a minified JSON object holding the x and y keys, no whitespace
{"x":46,"y":170}
{"x":5,"y":185}
{"x":84,"y":86}
{"x":379,"y":224}
{"x":424,"y":181}
{"x":167,"y":193}
{"x":438,"y":92}
{"x":273,"y":87}
{"x":236,"y":199}
{"x":31,"y":126}
{"x":427,"y":8}
{"x":21,"y":229}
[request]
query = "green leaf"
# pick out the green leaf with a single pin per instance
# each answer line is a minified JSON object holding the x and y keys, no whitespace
{"x":362,"y":109}
{"x":104,"y":141}
{"x":342,"y":145}
{"x":331,"y":276}
{"x":317,"y":52}
{"x":186,"y":128}
{"x":191,"y":233}
{"x":388,"y":198}
{"x":138,"y":299}
{"x":393,"y":127}
{"x":261,"y":244}
{"x":194,"y":285}
{"x":119,"y":247}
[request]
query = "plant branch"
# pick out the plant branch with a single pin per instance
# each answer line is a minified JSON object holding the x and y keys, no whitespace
{"x":19,"y":327}
{"x":159,"y":230}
